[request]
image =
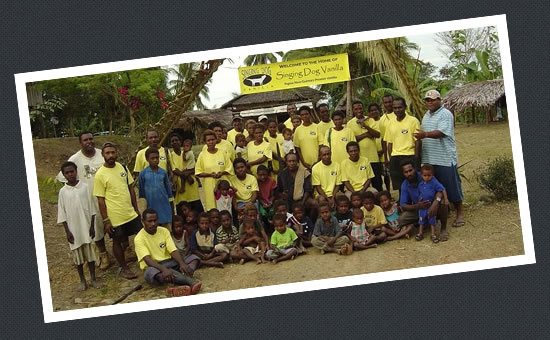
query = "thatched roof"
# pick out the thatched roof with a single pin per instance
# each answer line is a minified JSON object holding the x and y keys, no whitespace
{"x":197,"y":121}
{"x":273,"y":98}
{"x":483,"y":94}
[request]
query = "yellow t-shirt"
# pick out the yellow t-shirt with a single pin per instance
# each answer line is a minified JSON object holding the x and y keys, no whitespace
{"x":374,"y":217}
{"x":141,"y":162}
{"x":308,"y":139}
{"x":158,"y":246}
{"x":356,"y":173}
{"x":256,"y":152}
{"x":208,"y":163}
{"x":377,"y":126}
{"x":367,"y":146}
{"x":384,"y":121}
{"x":338,"y":142}
{"x":112,"y":184}
{"x":274,"y":141}
{"x":245,"y":188}
{"x":226,"y":147}
{"x":323,"y":128}
{"x":400,"y":135}
{"x":288,"y":123}
{"x":191,"y":190}
{"x":327,"y":176}
{"x":232,"y":133}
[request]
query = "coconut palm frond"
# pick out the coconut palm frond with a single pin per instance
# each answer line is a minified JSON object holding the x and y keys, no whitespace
{"x":384,"y":56}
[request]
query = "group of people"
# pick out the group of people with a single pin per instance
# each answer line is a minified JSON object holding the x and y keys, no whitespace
{"x":264,"y":191}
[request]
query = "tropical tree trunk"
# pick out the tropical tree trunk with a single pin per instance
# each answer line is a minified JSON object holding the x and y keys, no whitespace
{"x":42,"y":123}
{"x":182,"y":102}
{"x":349,"y":98}
{"x":132,"y":122}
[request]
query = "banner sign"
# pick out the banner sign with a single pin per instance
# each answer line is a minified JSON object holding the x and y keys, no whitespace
{"x":296,"y":73}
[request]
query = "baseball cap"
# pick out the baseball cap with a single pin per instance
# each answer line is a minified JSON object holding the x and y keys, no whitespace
{"x":262,"y":117}
{"x":236,"y":117}
{"x":432,"y":94}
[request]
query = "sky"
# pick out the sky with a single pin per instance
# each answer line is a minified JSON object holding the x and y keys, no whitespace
{"x":225,"y":81}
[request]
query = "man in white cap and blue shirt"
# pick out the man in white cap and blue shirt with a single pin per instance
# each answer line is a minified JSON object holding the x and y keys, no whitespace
{"x":439,"y":150}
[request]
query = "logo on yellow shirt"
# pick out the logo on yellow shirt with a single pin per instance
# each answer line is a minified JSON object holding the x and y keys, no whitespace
{"x":162,"y":245}
{"x":333,"y":173}
{"x":344,"y":139}
{"x":248,"y":187}
{"x":162,"y":158}
{"x":221,"y":163}
{"x":362,"y":167}
{"x":405,"y":131}
{"x":313,"y":133}
{"x":123,"y":174}
{"x":260,"y":152}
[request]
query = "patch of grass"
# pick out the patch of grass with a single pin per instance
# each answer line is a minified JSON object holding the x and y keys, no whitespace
{"x":48,"y":189}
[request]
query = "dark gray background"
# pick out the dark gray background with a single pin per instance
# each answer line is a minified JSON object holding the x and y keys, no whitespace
{"x":493,"y":303}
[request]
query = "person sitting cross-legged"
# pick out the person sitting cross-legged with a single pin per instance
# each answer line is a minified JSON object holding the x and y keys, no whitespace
{"x":160,"y":259}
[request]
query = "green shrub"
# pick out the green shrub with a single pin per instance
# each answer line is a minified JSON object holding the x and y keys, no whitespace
{"x":498,"y":177}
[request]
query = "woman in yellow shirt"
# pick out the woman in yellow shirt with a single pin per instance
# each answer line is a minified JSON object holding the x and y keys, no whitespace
{"x":337,"y":137}
{"x":212,"y":164}
{"x":259,"y":151}
{"x":245,"y":184}
{"x":187,"y":187}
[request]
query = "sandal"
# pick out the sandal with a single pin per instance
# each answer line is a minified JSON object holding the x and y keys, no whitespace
{"x":419,"y":237}
{"x":178,"y":291}
{"x":196,"y":287}
{"x":435,"y":239}
{"x":128,"y":274}
{"x":444,"y":236}
{"x":459,"y":222}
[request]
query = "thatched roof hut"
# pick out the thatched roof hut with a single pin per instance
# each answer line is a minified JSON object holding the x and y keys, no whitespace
{"x":483,"y":94}
{"x":195,"y":122}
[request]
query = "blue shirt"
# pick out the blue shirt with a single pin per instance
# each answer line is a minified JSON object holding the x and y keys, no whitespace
{"x":411,"y":194}
{"x":155,"y":187}
{"x":439,"y":151}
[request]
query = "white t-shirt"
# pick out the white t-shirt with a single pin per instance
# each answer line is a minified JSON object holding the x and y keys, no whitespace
{"x":288,"y":146}
{"x":75,"y":206}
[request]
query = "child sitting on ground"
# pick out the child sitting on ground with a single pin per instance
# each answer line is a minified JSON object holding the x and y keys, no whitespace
{"x":303,"y":226}
{"x":267,"y":186}
{"x":288,"y":144}
{"x":327,"y":235}
{"x":428,"y":189}
{"x":224,"y":196}
{"x":76,"y":211}
{"x":356,"y":200}
{"x":240,"y":147}
{"x":227,"y":235}
{"x":280,"y":207}
{"x":191,"y":223}
{"x":342,"y":212}
{"x":252,"y":245}
{"x":391,"y":211}
{"x":214,"y":215}
{"x":283,"y":241}
{"x":181,"y":240}
{"x":252,"y":214}
{"x":203,"y":243}
{"x":359,"y":234}
{"x":375,"y":221}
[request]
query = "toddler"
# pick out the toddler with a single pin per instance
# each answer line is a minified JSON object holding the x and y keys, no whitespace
{"x":288,"y":144}
{"x":429,"y":189}
{"x":359,"y":234}
{"x":181,"y":239}
{"x":391,"y":211}
{"x":283,"y":241}
{"x":224,"y":196}
{"x":240,"y":147}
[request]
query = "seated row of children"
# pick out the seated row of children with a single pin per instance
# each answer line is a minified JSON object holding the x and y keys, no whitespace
{"x":210,"y":238}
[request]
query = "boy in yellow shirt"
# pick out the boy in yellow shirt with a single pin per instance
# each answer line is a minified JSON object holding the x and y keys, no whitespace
{"x":307,"y":139}
{"x":337,"y":137}
{"x":375,"y":220}
{"x":326,"y":177}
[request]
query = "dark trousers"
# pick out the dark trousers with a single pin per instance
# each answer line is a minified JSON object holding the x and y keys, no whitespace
{"x":377,"y":180}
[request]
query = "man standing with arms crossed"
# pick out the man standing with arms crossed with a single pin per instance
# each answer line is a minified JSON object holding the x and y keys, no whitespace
{"x":439,"y":150}
{"x":117,"y":204}
{"x":88,"y":160}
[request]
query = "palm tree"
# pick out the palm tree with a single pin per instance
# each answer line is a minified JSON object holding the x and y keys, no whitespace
{"x":259,"y":59}
{"x":184,"y":72}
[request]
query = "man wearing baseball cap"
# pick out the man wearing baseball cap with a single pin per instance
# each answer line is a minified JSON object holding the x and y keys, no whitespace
{"x":439,"y":150}
{"x":237,"y":128}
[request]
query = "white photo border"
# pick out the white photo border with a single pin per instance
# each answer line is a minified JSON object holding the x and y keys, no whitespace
{"x":499,"y":21}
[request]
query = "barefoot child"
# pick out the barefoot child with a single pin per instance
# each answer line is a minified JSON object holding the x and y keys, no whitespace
{"x":251,"y":213}
{"x":227,"y":234}
{"x":303,"y":226}
{"x":203,"y":243}
{"x":154,"y":185}
{"x":214,"y":215}
{"x":375,"y":220}
{"x":76,"y":211}
{"x":251,"y":244}
{"x":224,"y":196}
{"x":283,"y":241}
{"x":429,"y":189}
{"x":343,"y":213}
{"x":327,"y":235}
{"x":391,"y":211}
{"x":358,"y":233}
{"x":266,"y":186}
{"x":180,"y":236}
{"x":191,"y":223}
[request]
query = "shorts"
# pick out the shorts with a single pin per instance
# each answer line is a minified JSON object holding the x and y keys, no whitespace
{"x":181,"y":279}
{"x":408,"y":217}
{"x":273,"y":254}
{"x":225,"y":247}
{"x":253,"y":250}
{"x":423,"y":218}
{"x":396,"y":171}
{"x":127,"y":229}
{"x":85,"y":253}
{"x":385,"y":170}
{"x":448,"y":176}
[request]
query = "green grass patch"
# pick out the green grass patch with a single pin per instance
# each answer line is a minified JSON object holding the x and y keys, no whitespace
{"x":48,"y":189}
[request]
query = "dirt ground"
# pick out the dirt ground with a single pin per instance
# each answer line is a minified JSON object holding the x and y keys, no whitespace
{"x":493,"y":229}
